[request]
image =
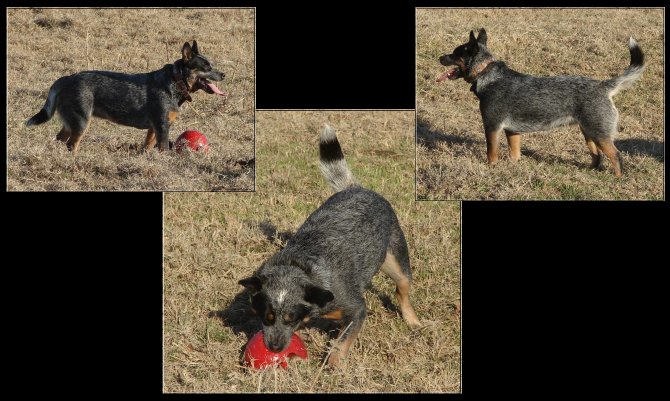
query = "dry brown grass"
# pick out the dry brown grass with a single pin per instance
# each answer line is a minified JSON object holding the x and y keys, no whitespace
{"x":213,"y":240}
{"x":45,"y":44}
{"x":451,"y":153}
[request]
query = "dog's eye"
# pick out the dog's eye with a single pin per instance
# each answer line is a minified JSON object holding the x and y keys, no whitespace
{"x":289,"y":318}
{"x":269,"y":318}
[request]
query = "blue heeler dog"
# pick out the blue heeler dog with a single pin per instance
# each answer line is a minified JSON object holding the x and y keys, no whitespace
{"x":326,"y":266}
{"x":514,"y":102}
{"x":147,"y":101}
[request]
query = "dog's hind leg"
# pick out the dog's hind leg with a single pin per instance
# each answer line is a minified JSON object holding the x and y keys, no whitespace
{"x":596,"y":156}
{"x":514,"y":143}
{"x":76,"y":123}
{"x":606,"y":145}
{"x":492,"y":145}
{"x":75,"y":138}
{"x":393,"y":268}
{"x":63,"y":135}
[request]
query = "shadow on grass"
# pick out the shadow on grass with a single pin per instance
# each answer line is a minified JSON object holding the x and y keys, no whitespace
{"x":272,"y":234}
{"x":429,"y":137}
{"x":554,"y":159}
{"x":237,"y":315}
{"x":642,"y":147}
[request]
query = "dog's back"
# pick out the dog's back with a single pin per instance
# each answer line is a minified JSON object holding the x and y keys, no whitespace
{"x":352,"y":230}
{"x":122,"y":98}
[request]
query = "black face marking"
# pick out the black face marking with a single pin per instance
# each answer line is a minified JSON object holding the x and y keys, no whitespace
{"x":199,"y":63}
{"x":296,"y":316}
{"x":258,"y":304}
{"x":269,"y":318}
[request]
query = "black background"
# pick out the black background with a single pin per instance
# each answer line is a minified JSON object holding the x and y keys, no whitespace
{"x":558,"y":297}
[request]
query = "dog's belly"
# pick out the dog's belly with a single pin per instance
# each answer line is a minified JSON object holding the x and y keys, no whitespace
{"x":136,"y":117}
{"x":523,"y":124}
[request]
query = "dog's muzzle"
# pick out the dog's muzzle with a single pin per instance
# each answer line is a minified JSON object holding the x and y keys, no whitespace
{"x":454,"y":73}
{"x":204,"y":83}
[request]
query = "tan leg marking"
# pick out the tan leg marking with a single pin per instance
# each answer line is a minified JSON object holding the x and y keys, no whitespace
{"x":596,"y":156}
{"x":172,"y":116}
{"x":392,"y":268}
{"x":492,"y":146}
{"x":335,"y":315}
{"x":514,"y":143}
{"x":342,"y":348}
{"x":150,"y":140}
{"x":75,"y":138}
{"x":612,"y":153}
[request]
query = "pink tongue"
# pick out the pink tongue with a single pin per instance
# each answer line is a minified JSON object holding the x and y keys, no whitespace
{"x":215,"y":89}
{"x":448,"y":74}
{"x":444,"y":76}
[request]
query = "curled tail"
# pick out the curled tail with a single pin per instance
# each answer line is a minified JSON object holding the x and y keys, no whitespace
{"x":333,"y":165}
{"x":48,"y":109}
{"x":630,"y":74}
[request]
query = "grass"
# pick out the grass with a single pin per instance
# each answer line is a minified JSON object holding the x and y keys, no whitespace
{"x":45,"y":44}
{"x":213,"y":240}
{"x":451,"y":149}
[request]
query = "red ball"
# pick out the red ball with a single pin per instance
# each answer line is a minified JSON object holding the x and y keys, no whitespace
{"x":195,"y":140}
{"x":263,"y":357}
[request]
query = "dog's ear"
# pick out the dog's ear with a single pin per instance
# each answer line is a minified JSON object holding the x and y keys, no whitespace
{"x":318,"y":296}
{"x":194,"y":47}
{"x":481,"y":37}
{"x":186,"y":52}
{"x":473,"y":40}
{"x":252,"y":284}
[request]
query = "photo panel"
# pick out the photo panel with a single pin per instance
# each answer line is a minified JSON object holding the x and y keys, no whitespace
{"x":130,"y":99}
{"x":212,"y":241}
{"x":489,"y":87}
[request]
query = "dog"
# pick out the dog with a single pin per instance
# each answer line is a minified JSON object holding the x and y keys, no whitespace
{"x":146,"y":101}
{"x":324,"y":269}
{"x":515,"y":103}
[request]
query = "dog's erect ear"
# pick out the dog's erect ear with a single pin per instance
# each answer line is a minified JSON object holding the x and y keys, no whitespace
{"x":194,"y":47}
{"x":473,"y":40}
{"x":252,"y":284}
{"x":318,"y":296}
{"x":186,"y":52}
{"x":481,"y":38}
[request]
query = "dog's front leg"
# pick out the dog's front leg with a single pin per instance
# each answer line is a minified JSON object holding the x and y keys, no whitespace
{"x":347,"y":337}
{"x":492,"y":145}
{"x":163,"y":130}
{"x":162,"y":137}
{"x":514,"y":143}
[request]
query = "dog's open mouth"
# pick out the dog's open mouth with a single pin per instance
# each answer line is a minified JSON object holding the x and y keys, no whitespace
{"x":453,"y":73}
{"x":209,"y":87}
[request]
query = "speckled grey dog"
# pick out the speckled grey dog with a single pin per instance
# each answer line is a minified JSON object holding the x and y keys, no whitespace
{"x":147,"y":101}
{"x":514,"y":102}
{"x":329,"y":262}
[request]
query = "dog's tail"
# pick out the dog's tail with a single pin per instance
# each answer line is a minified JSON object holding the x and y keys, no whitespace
{"x":333,"y":165}
{"x":630,"y":74}
{"x":49,"y":107}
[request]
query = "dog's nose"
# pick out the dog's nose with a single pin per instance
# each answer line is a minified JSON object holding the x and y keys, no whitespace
{"x":275,"y":347}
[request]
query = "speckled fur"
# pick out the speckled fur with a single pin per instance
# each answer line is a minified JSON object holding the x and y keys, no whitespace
{"x":517,"y":103}
{"x":330,"y":261}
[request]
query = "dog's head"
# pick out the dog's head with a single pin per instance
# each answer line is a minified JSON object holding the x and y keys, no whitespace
{"x":283,"y":297}
{"x":197,"y":71}
{"x":468,"y":58}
